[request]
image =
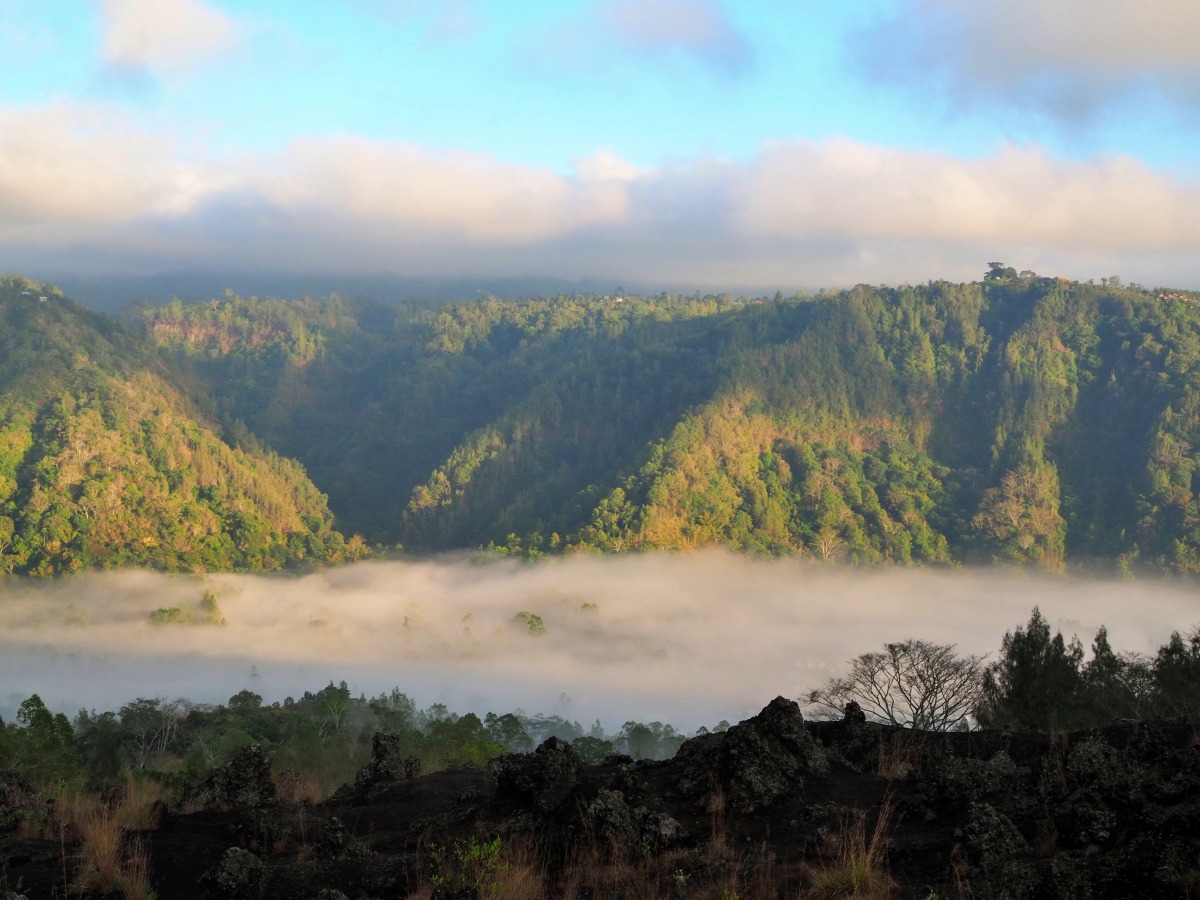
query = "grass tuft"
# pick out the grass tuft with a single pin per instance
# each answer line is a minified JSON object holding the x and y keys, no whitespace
{"x":101,"y":838}
{"x":859,"y":866}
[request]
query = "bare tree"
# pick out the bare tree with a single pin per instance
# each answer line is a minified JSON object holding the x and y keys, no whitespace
{"x":150,"y":726}
{"x":828,"y":543}
{"x":912,"y":683}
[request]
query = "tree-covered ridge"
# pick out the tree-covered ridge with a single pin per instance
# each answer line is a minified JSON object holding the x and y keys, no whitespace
{"x":501,"y":409}
{"x":104,"y":463}
{"x":1027,"y":420}
{"x":233,"y":325}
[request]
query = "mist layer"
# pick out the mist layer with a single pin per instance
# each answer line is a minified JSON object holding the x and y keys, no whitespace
{"x":688,"y":639}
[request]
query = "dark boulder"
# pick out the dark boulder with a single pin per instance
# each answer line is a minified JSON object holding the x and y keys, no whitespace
{"x":756,"y":762}
{"x":853,"y":714}
{"x":337,"y":843}
{"x":540,"y":781}
{"x":238,"y":874}
{"x":998,"y":853}
{"x":387,"y":765}
{"x":244,"y":782}
{"x":617,"y":825}
{"x":953,"y":783}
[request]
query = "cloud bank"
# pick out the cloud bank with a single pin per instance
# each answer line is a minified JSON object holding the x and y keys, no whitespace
{"x":82,"y":190}
{"x":1069,"y":56}
{"x":687,"y":639}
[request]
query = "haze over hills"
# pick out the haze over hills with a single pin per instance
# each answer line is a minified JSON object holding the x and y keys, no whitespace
{"x":112,"y":293}
{"x":1020,"y":419}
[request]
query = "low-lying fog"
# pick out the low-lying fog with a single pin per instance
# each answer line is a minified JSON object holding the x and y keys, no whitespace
{"x":684,"y":639}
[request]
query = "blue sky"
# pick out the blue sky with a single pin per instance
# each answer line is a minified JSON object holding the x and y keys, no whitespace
{"x":684,"y":144}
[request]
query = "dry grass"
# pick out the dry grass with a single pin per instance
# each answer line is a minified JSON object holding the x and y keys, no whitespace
{"x":859,"y":865}
{"x":711,"y":872}
{"x":719,"y":830}
{"x":108,"y":860}
{"x":100,"y":854}
{"x":37,"y":825}
{"x":962,"y":887}
{"x":519,"y":871}
{"x":724,"y":868}
{"x":135,"y":883}
{"x":900,"y":756}
{"x":141,"y":804}
{"x":523,"y":877}
{"x":300,"y":787}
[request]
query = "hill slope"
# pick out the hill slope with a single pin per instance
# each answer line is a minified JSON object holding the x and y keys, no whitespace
{"x":104,"y":463}
{"x":1020,"y":419}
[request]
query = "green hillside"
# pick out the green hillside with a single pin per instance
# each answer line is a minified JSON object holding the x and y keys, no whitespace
{"x":1020,"y":419}
{"x":103,"y":462}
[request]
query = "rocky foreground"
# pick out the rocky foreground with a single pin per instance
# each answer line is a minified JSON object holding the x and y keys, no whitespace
{"x":774,"y":807}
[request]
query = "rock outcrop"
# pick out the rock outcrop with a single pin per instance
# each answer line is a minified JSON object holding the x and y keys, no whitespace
{"x":244,"y":781}
{"x":754,"y":763}
{"x":1113,"y":813}
{"x":387,"y":765}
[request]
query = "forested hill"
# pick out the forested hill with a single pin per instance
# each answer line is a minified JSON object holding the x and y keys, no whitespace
{"x":103,"y":462}
{"x":1022,"y":419}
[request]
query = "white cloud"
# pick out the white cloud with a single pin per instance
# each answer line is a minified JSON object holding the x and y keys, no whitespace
{"x":454,"y":193}
{"x":1066,"y":55}
{"x":164,"y":35}
{"x":1016,"y":195}
{"x":69,"y":170}
{"x":83,"y":190}
{"x":699,"y":27}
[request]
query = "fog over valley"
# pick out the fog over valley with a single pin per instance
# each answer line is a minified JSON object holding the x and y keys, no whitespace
{"x":687,"y":639}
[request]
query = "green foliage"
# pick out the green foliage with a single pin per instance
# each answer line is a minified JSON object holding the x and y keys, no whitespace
{"x":40,"y":746}
{"x":532,"y":621}
{"x":1040,"y":683}
{"x":1034,"y":685}
{"x":210,"y":610}
{"x":1022,"y":420}
{"x":323,"y":738}
{"x":593,"y":749}
{"x":652,"y":740}
{"x":1175,"y":676}
{"x":104,"y":462}
{"x":171,"y":615}
{"x":209,"y":614}
{"x":466,"y":867}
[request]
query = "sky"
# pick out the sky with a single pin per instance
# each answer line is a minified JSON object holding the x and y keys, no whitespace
{"x":666,"y":144}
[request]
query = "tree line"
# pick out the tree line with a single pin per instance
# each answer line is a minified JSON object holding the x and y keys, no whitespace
{"x":321,"y":737}
{"x":1039,"y":682}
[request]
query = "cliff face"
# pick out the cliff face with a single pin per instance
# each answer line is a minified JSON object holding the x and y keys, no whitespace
{"x":776,"y":806}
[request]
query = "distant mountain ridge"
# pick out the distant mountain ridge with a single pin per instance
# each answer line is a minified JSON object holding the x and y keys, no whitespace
{"x":1026,"y":420}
